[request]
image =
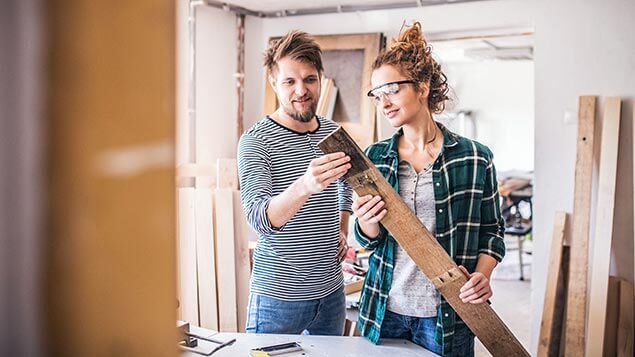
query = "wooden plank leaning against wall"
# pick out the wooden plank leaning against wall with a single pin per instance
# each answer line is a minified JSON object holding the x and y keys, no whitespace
{"x":603,"y":235}
{"x":578,"y":268}
{"x":110,"y":261}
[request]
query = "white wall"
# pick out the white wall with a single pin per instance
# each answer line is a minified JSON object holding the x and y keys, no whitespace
{"x":501,"y":94}
{"x":216,"y":102}
{"x":580,"y":48}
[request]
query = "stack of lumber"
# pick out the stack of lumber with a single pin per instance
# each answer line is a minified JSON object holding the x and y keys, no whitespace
{"x":213,"y":253}
{"x":567,"y":326}
{"x":328,"y":96}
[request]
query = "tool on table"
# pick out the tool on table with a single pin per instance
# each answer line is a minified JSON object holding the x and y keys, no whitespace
{"x":189,"y":341}
{"x":275,"y":350}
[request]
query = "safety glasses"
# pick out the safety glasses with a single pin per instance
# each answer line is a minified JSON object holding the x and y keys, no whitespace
{"x":387,"y":89}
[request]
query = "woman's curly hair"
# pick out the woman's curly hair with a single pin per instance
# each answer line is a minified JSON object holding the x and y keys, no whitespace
{"x":411,"y":54}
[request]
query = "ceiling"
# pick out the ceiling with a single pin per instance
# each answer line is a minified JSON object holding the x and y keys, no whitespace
{"x":275,"y":8}
{"x":490,"y":44}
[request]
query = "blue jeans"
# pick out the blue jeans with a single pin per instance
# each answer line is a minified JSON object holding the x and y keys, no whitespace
{"x":323,"y":316}
{"x":421,"y":331}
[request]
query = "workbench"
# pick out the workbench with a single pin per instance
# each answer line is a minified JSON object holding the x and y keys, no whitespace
{"x":322,"y":346}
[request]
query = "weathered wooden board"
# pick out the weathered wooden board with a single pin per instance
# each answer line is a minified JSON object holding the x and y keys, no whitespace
{"x":579,"y":265}
{"x":423,"y":248}
{"x":551,"y":323}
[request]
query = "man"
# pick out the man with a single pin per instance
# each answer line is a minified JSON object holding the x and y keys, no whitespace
{"x":294,"y":198}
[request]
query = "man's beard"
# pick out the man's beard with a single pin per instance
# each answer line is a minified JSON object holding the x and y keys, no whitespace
{"x":303,"y":117}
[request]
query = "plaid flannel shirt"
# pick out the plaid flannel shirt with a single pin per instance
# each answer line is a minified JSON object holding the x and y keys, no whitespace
{"x":468,"y":223}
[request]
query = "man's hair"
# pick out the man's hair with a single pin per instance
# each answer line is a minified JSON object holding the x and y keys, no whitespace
{"x":297,"y":45}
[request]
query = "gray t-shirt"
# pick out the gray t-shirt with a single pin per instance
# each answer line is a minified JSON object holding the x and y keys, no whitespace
{"x":411,"y":292}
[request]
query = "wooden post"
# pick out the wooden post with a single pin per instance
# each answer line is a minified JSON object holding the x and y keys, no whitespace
{"x":551,"y":324}
{"x":205,"y":259}
{"x":186,"y":247}
{"x":423,"y":248}
{"x":225,"y":250}
{"x":579,"y":265}
{"x":110,"y":255}
{"x":603,"y":226}
{"x":625,"y":320}
{"x":240,"y":74}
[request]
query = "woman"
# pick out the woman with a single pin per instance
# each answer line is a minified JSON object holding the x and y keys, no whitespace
{"x":449,"y":182}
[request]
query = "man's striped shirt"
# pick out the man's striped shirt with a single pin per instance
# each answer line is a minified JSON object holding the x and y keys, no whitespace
{"x":468,"y":223}
{"x":299,"y":260}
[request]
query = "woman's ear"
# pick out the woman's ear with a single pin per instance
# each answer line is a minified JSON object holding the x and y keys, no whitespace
{"x":424,"y":89}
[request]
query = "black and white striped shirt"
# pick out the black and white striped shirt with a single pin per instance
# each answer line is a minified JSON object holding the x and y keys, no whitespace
{"x":299,"y":260}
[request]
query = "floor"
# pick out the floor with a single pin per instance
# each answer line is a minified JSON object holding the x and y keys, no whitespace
{"x":511,"y":299}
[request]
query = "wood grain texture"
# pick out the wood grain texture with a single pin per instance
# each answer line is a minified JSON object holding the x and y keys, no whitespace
{"x":423,"y":248}
{"x":225,"y":260}
{"x":549,"y":340}
{"x":110,"y":270}
{"x":242,"y":231}
{"x":186,"y":248}
{"x":579,"y":265}
{"x":206,"y":259}
{"x":625,"y":331}
{"x":603,"y":236}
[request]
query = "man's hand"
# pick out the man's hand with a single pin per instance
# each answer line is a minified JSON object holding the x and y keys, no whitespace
{"x":343,"y":246}
{"x":477,"y":289}
{"x":324,"y":170}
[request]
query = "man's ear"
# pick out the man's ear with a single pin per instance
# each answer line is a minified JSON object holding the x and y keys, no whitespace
{"x":272,"y":83}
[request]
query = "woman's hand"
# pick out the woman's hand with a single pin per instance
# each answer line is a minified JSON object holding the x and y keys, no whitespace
{"x":477,"y":289}
{"x":369,"y":211}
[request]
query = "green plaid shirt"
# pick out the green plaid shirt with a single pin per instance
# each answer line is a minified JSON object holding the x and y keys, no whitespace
{"x":468,"y":223}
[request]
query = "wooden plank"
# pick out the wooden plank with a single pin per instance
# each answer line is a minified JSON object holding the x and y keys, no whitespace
{"x":578,"y":268}
{"x":205,"y":259}
{"x":109,"y":260}
{"x":227,"y":173}
{"x":225,"y":260}
{"x":612,"y":317}
{"x":625,"y":332}
{"x":547,"y":344}
{"x":242,"y":232}
{"x":187,"y":280}
{"x":603,"y":226}
{"x":423,"y":248}
{"x":558,"y":337}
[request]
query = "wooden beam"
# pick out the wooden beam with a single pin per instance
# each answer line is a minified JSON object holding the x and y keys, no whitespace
{"x":423,"y":248}
{"x":603,"y":226}
{"x":186,"y":248}
{"x":205,"y":259}
{"x":225,"y":260}
{"x":551,"y":324}
{"x":612,"y":317}
{"x":240,"y":74}
{"x":109,"y":272}
{"x":579,"y":265}
{"x":242,"y":231}
{"x":625,"y":320}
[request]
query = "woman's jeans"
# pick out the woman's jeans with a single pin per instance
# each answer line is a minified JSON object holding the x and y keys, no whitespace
{"x":420,"y":330}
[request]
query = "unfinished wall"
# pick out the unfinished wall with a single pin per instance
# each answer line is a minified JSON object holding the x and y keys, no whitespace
{"x":581,"y":48}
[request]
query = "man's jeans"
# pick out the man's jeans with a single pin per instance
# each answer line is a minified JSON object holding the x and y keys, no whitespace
{"x":314,"y":317}
{"x":421,"y":331}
